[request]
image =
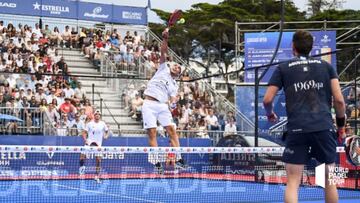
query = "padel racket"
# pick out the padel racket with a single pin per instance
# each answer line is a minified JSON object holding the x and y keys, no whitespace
{"x":174,"y":17}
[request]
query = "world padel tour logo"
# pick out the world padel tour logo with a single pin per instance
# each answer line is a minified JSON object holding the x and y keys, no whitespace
{"x":336,"y":176}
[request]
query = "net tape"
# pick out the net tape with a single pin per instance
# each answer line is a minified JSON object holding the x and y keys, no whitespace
{"x":190,"y":150}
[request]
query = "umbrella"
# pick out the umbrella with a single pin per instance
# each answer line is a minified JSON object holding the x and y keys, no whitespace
{"x":9,"y":117}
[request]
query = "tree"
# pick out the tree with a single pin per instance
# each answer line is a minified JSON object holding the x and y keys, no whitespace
{"x":316,"y":6}
{"x":206,"y":22}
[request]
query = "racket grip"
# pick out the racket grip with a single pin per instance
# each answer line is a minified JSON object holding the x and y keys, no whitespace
{"x":341,"y":135}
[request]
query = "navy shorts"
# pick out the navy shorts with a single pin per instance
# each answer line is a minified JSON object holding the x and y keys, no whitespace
{"x":300,"y":147}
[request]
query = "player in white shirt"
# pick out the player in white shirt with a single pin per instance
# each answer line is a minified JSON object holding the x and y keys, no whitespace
{"x":161,"y":89}
{"x":93,"y":135}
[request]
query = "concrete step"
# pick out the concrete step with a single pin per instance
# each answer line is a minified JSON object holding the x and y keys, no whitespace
{"x":106,"y":98}
{"x":132,"y":128}
{"x":106,"y":93}
{"x":75,"y":64}
{"x":91,"y":79}
{"x":116,"y":112}
{"x":74,"y":52}
{"x":88,"y":83}
{"x":80,"y":59}
{"x":100,"y":89}
{"x":84,"y":70}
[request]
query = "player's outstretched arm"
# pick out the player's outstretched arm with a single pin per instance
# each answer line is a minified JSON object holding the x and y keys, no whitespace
{"x":164,"y":46}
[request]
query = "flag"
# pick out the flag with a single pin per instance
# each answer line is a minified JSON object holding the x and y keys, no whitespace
{"x":149,"y":4}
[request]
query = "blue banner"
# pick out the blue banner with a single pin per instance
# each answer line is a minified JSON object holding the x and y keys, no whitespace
{"x":18,"y":7}
{"x":129,"y":15}
{"x":76,"y":10}
{"x":57,"y":9}
{"x":260,"y":47}
{"x":58,"y":164}
{"x":95,"y":12}
{"x":245,"y":103}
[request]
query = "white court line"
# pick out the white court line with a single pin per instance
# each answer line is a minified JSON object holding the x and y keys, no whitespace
{"x":109,"y":194}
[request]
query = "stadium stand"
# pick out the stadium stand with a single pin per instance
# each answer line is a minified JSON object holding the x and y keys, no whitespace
{"x":38,"y":51}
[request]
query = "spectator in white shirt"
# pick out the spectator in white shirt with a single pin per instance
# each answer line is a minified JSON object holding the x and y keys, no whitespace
{"x":230,"y":128}
{"x":212,"y":121}
{"x":69,"y":93}
{"x":66,"y":36}
{"x":37,"y":31}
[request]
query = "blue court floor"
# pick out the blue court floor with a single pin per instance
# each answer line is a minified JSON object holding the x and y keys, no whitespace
{"x":155,"y":190}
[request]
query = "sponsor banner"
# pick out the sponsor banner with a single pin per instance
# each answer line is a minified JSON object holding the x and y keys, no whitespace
{"x":59,"y":9}
{"x":129,"y":15}
{"x":76,"y":10}
{"x":95,"y":12}
{"x":245,"y":98}
{"x":260,"y":47}
{"x":19,"y":7}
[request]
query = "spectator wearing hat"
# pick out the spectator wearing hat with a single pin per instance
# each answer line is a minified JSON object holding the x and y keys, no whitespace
{"x":78,"y":125}
{"x":136,"y":105}
{"x":40,"y":94}
{"x":129,"y":95}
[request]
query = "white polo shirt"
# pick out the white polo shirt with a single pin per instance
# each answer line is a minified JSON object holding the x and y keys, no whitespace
{"x":96,"y":132}
{"x":162,"y":85}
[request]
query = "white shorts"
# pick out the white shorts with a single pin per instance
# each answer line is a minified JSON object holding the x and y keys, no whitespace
{"x":153,"y":111}
{"x":93,"y":143}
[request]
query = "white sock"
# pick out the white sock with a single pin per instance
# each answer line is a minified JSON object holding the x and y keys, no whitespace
{"x":153,"y":158}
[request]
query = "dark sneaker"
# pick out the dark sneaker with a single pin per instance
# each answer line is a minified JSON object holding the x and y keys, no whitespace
{"x":180,"y":164}
{"x":97,"y":179}
{"x":159,"y":168}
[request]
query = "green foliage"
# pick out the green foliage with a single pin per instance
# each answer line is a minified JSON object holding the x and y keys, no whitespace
{"x":215,"y":24}
{"x":206,"y":22}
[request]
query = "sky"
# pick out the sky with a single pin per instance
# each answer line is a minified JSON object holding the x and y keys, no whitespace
{"x":171,"y":5}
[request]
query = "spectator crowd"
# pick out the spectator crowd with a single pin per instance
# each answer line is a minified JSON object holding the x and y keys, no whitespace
{"x":35,"y":84}
{"x":30,"y":55}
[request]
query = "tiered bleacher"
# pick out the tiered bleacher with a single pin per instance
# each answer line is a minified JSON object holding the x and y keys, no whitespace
{"x":61,"y":99}
{"x":27,"y":93}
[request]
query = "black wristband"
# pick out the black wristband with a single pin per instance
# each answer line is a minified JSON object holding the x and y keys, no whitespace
{"x":340,"y":122}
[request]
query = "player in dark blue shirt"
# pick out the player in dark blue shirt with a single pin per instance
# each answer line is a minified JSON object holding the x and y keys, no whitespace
{"x":311,"y":86}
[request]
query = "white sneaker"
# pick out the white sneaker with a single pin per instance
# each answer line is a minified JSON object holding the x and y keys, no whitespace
{"x":82,"y":170}
{"x":97,"y":179}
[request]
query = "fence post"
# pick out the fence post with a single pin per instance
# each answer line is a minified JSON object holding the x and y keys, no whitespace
{"x":93,"y":93}
{"x":101,"y":101}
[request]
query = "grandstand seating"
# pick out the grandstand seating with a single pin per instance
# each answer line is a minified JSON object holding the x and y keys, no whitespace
{"x":82,"y":54}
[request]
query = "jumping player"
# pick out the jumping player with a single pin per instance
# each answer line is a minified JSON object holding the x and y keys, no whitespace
{"x":161,"y":90}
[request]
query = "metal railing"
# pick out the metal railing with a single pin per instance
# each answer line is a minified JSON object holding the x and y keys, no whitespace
{"x":22,"y":121}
